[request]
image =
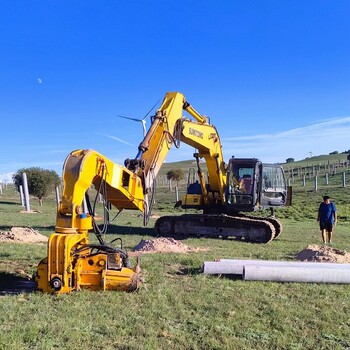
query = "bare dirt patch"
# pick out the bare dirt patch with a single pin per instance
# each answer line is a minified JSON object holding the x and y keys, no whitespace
{"x":321,"y":253}
{"x":164,"y":245}
{"x":22,"y":235}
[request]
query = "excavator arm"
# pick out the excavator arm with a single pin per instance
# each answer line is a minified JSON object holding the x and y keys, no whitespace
{"x":170,"y":127}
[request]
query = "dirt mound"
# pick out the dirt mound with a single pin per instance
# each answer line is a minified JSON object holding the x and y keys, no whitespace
{"x":321,"y":253}
{"x":164,"y":245}
{"x":22,"y":235}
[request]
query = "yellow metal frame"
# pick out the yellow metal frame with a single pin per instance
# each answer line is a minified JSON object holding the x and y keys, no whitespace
{"x":62,"y":266}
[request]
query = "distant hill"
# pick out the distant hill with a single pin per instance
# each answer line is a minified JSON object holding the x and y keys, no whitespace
{"x":309,"y":161}
{"x":323,"y":158}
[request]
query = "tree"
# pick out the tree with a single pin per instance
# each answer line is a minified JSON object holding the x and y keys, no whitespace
{"x":289,"y":160}
{"x":334,"y":152}
{"x":40,"y":181}
{"x":174,"y":174}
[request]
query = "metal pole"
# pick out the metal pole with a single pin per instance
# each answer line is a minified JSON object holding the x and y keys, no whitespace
{"x":303,"y":180}
{"x":176,"y":194}
{"x":21,"y":195}
{"x":26,"y":191}
{"x":315,"y":183}
{"x":85,"y":208}
{"x":57,"y":195}
{"x":326,"y":178}
{"x":344,"y":180}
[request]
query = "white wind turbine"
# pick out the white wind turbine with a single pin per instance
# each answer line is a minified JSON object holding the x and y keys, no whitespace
{"x":142,"y":121}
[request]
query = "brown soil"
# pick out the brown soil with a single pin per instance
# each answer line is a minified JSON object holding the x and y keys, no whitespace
{"x":164,"y":245}
{"x":22,"y":235}
{"x":321,"y":253}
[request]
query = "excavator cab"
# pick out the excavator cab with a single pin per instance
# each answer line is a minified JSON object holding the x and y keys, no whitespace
{"x":252,"y":185}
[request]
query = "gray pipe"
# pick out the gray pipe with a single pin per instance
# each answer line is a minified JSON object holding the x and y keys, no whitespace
{"x":284,"y":263}
{"x":296,"y":274}
{"x":236,"y":266}
{"x":221,"y":268}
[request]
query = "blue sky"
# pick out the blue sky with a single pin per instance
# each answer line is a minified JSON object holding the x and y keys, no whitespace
{"x":273,"y":76}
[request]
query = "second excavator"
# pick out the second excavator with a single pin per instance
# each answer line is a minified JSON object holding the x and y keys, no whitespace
{"x":228,"y":190}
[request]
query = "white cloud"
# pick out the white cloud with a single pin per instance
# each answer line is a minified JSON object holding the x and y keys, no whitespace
{"x":116,"y":139}
{"x":320,"y":138}
{"x":6,"y":178}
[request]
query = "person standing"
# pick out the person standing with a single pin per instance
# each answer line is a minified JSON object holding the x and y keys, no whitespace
{"x":327,"y":216}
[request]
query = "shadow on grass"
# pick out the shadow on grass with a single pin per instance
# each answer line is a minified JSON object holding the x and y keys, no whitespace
{"x":14,"y":284}
{"x":131,"y":230}
{"x":191,"y":271}
{"x":11,"y":203}
{"x":112,"y":229}
{"x":5,"y":228}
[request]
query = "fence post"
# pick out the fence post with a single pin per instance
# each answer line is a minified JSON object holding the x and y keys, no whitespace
{"x":26,"y":191}
{"x":176,"y":194}
{"x":344,"y":180}
{"x":303,"y":180}
{"x":21,"y":195}
{"x":326,"y":178}
{"x":315,"y":183}
{"x":57,"y":190}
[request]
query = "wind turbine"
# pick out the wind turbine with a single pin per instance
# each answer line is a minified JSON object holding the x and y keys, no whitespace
{"x":142,"y":121}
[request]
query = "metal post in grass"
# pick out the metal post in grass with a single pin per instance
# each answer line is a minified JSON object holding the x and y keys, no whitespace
{"x":176,"y":194}
{"x":21,"y":195}
{"x":289,"y":182}
{"x":315,"y":183}
{"x":326,"y":177}
{"x":304,"y":180}
{"x":26,"y":191}
{"x":344,"y":180}
{"x":85,"y":208}
{"x":57,"y":191}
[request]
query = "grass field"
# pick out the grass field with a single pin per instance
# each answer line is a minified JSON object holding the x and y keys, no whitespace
{"x":178,"y":307}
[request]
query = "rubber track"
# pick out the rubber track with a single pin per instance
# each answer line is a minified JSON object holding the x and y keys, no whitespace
{"x":252,"y":229}
{"x":276,"y":223}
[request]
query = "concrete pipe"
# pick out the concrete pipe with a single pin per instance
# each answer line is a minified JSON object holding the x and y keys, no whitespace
{"x":236,"y":266}
{"x":296,"y":274}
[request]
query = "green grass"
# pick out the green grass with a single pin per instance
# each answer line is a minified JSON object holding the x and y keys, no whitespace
{"x":178,"y":307}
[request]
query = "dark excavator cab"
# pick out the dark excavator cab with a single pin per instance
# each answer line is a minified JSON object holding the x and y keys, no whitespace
{"x":252,"y":185}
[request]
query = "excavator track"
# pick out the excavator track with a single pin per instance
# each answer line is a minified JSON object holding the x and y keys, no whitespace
{"x":276,"y":223}
{"x":251,"y":229}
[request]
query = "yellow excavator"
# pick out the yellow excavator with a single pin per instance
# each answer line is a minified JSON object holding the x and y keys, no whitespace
{"x":228,"y":190}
